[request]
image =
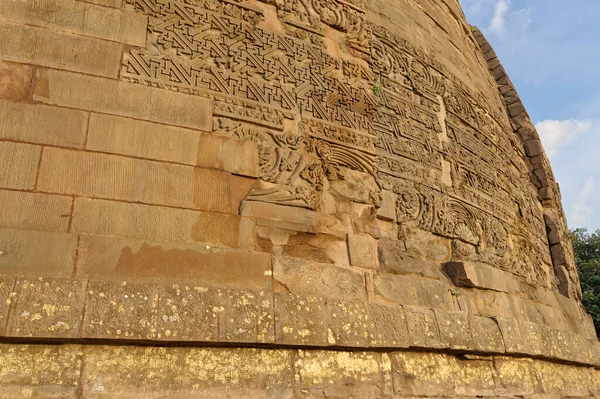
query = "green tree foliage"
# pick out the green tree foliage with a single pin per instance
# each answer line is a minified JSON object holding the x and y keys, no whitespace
{"x":587,"y":257}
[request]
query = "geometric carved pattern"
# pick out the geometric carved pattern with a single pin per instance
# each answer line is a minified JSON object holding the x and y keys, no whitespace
{"x":386,"y":109}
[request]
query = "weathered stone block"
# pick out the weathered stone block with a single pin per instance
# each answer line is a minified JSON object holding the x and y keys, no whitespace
{"x":511,"y":333}
{"x":479,"y":275}
{"x":120,"y":311}
{"x":348,"y":323}
{"x":122,"y":98}
{"x":425,"y":374}
{"x":117,"y":135}
{"x":46,"y":308}
{"x":363,"y":251}
{"x":42,"y":124}
{"x":97,"y":217}
{"x":240,"y":188}
{"x":116,"y":177}
{"x":36,"y":253}
{"x":394,"y":259}
{"x":155,"y":372}
{"x":487,"y":336}
{"x":513,"y":376}
{"x":246,"y":316}
{"x":308,"y":278}
{"x":80,"y":18}
{"x":31,"y":45}
{"x":18,"y":165}
{"x":6,"y":288}
{"x":289,"y":218}
{"x":533,"y":338}
{"x":228,"y":154}
{"x":15,"y":81}
{"x":43,"y":371}
{"x":422,"y":327}
{"x":410,"y":290}
{"x":387,"y":211}
{"x":340,"y":374}
{"x":301,"y":320}
{"x":186,"y":314}
{"x":455,"y":329}
{"x":387,"y":326}
{"x":23,"y":210}
{"x":107,"y":258}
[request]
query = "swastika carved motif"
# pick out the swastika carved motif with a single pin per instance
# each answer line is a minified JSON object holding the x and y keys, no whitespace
{"x":323,"y":91}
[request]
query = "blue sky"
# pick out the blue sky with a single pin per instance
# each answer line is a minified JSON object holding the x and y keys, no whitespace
{"x":551,"y":51}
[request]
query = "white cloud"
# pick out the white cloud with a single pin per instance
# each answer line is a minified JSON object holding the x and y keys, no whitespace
{"x":557,"y":135}
{"x":581,"y":209}
{"x":500,"y":12}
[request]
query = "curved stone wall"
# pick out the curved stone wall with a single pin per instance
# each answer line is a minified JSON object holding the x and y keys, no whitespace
{"x":276,"y":199}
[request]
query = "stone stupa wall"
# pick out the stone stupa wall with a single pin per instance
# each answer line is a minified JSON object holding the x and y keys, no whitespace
{"x":276,"y":200}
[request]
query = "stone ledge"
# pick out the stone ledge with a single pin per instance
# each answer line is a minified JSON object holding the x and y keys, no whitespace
{"x":184,"y":372}
{"x":46,"y":308}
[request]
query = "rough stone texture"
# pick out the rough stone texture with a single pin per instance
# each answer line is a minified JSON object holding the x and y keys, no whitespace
{"x":42,"y":124}
{"x":279,"y":200}
{"x":36,"y":253}
{"x":44,"y":308}
{"x":114,"y":177}
{"x":35,"y":211}
{"x":18,"y":165}
{"x":107,"y":258}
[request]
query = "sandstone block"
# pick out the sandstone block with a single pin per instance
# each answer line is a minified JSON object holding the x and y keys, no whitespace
{"x":476,"y":378}
{"x":115,"y":177}
{"x":422,"y":327}
{"x":36,"y":253}
{"x":80,"y":18}
{"x":300,"y":320}
{"x":394,"y":259}
{"x":15,"y":81}
{"x":6,"y":288}
{"x":18,"y":165}
{"x":511,"y":333}
{"x":50,"y":371}
{"x":107,"y":258}
{"x":154,"y":223}
{"x":186,"y":314}
{"x":424,"y":374}
{"x":246,"y":316}
{"x":514,"y":377}
{"x":534,"y":341}
{"x":350,"y":374}
{"x":42,"y":124}
{"x":487,"y":336}
{"x":479,"y":275}
{"x":348,"y":323}
{"x":387,"y":211}
{"x":455,"y":329}
{"x":363,"y":251}
{"x":120,"y":311}
{"x":31,"y":45}
{"x":122,"y":98}
{"x":289,"y":218}
{"x":142,"y":139}
{"x":424,"y":245}
{"x":240,"y":188}
{"x":410,"y":290}
{"x":150,"y":372}
{"x":108,"y":3}
{"x":232,"y":155}
{"x":23,"y":210}
{"x":46,"y":308}
{"x":308,"y":278}
{"x":387,"y":326}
